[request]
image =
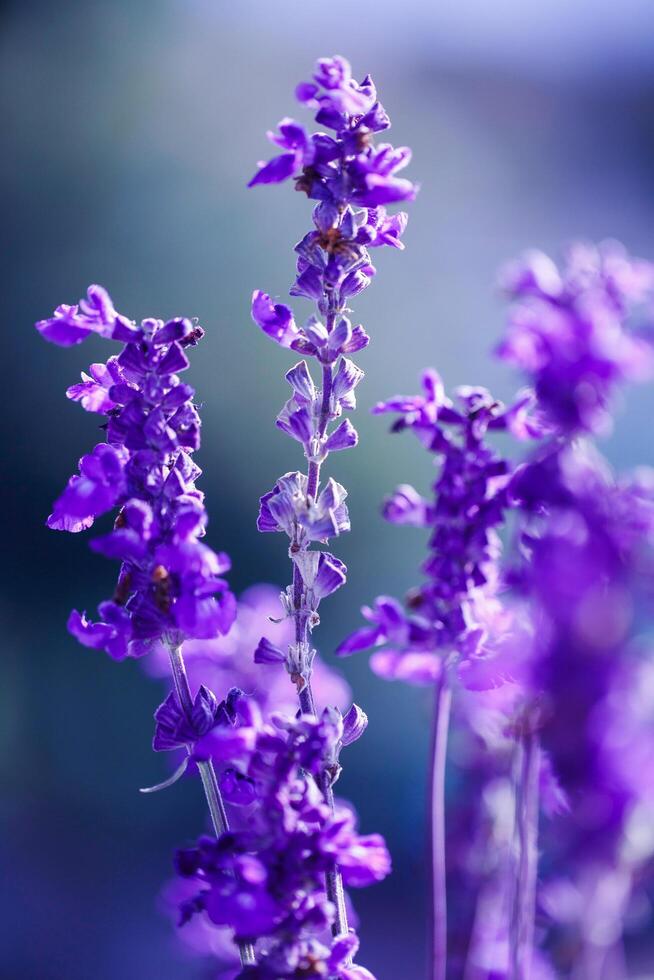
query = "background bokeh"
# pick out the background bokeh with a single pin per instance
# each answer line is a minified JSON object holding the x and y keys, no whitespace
{"x":129,"y":130}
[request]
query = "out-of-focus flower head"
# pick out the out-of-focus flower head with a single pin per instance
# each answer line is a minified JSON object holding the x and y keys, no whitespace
{"x":574,"y":331}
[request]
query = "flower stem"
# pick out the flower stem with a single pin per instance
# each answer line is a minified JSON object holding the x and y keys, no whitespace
{"x":333,"y":877}
{"x":314,"y":467}
{"x":437,"y":826}
{"x":206,"y":770}
{"x":524,"y":902}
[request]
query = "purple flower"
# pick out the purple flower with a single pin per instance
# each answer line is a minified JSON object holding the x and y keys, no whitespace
{"x":175,"y":729}
{"x":342,"y":95}
{"x":112,"y":634}
{"x":71,"y":325}
{"x":171,"y":584}
{"x":276,"y":320}
{"x":351,"y":179}
{"x":266,"y":880}
{"x":447,"y":615}
{"x":569,"y":330}
{"x":300,"y":153}
{"x":406,"y":506}
{"x":374,"y":176}
{"x":97,"y":489}
{"x":93,"y":391}
{"x":302,"y":417}
{"x":287,"y":508}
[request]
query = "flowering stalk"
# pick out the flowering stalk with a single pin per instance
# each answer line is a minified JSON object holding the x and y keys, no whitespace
{"x":266,"y":876}
{"x":169,"y":586}
{"x":205,"y":768}
{"x":522,"y":919}
{"x":444,"y":631}
{"x":437,"y":824}
{"x":352,"y":180}
{"x":582,"y":559}
{"x":207,"y":772}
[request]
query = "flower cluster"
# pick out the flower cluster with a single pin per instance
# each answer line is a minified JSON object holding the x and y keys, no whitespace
{"x":585,"y":569}
{"x":447,"y":618}
{"x":266,"y":878}
{"x":170,"y":584}
{"x":569,"y":330}
{"x":547,"y":667}
{"x":543,"y":636}
{"x":352,"y":179}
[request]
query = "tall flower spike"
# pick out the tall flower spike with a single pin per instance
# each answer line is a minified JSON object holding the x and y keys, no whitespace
{"x":352,"y":179}
{"x":583,"y":568}
{"x":448,"y":625}
{"x":170,"y":585}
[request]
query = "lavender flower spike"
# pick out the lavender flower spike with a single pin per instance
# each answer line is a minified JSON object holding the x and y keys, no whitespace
{"x":170,"y":585}
{"x":352,"y":180}
{"x":266,"y":879}
{"x":442,"y":633}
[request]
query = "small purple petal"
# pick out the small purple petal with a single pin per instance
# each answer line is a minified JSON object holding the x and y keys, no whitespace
{"x":276,"y":170}
{"x":355,"y":723}
{"x":361,"y":639}
{"x":276,"y":320}
{"x":267,"y":653}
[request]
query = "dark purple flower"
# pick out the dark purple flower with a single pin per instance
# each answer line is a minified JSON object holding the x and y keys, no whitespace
{"x":174,"y":728}
{"x":275,"y":319}
{"x":447,"y":615}
{"x":171,"y":584}
{"x":112,"y":634}
{"x":71,"y":325}
{"x":97,"y":489}
{"x":93,"y":391}
{"x":267,"y":879}
{"x":300,"y":153}
{"x":351,"y":179}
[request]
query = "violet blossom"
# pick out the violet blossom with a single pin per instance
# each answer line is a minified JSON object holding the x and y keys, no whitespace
{"x":572,"y":330}
{"x":170,"y":585}
{"x":451,"y":624}
{"x":583,"y":568}
{"x":265,"y":879}
{"x":352,"y":179}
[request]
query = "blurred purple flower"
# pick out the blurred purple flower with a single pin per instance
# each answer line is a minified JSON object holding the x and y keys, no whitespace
{"x":570,"y":330}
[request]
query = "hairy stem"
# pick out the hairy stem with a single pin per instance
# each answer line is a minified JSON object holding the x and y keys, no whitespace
{"x":314,"y":467}
{"x":437,"y":827}
{"x":524,"y":903}
{"x":333,"y":878}
{"x":206,"y":770}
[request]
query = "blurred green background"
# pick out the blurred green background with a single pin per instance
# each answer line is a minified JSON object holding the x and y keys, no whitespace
{"x":130,"y":128}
